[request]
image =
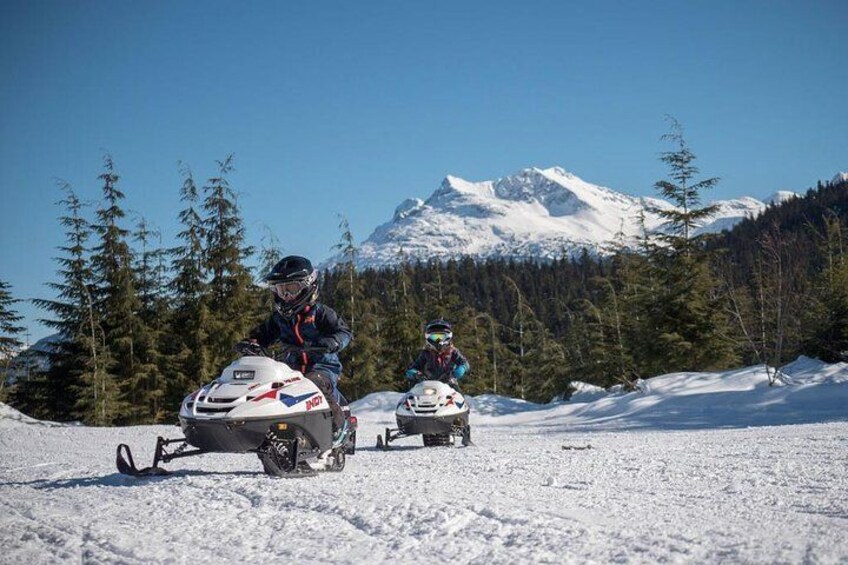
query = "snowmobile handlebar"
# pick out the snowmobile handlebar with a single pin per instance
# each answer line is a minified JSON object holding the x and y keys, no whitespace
{"x":446,"y":377}
{"x":248,"y":348}
{"x":286,"y":348}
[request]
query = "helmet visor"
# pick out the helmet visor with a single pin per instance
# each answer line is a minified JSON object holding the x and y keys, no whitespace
{"x":438,"y":338}
{"x":289,"y":291}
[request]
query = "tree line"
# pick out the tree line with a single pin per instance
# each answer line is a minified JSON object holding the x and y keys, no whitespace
{"x":142,"y":325}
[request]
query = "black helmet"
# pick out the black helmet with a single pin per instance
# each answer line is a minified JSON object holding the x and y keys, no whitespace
{"x":294,"y":283}
{"x":438,"y":334}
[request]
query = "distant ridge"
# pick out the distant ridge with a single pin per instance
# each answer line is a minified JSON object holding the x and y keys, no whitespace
{"x":533,"y":214}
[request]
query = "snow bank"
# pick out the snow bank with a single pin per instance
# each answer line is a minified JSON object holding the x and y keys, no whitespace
{"x":805,"y":370}
{"x":10,"y":418}
{"x":818,"y":392}
{"x":584,"y":392}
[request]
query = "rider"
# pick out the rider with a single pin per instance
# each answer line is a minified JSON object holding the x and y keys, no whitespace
{"x":300,"y":320}
{"x":440,"y":360}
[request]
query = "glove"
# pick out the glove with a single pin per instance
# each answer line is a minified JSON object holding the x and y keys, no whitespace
{"x":459,"y":371}
{"x":328,"y":343}
{"x":412,"y":375}
{"x":248,"y":347}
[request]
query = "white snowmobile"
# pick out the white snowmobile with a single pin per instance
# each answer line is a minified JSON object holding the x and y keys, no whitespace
{"x":262,"y":406}
{"x":434,"y":410}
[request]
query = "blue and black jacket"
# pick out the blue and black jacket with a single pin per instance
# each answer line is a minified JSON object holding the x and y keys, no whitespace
{"x":450,"y":363}
{"x":313,"y":323}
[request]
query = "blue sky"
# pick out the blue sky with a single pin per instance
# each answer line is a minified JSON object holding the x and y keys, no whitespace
{"x":351,"y":107}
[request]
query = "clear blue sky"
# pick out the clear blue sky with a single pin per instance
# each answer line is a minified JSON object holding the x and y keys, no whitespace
{"x":350,"y":107}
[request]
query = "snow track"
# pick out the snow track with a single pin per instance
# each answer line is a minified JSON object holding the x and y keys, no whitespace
{"x":531,"y":490}
{"x":772,"y":494}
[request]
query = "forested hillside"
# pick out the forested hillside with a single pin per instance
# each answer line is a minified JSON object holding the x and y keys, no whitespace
{"x":143,"y":325}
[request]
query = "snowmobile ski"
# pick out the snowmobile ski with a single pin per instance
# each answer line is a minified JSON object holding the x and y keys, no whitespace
{"x":126,"y":464}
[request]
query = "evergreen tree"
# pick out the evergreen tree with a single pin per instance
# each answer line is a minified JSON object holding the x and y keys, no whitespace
{"x":682,"y":190}
{"x":350,"y":290}
{"x":187,"y":341}
{"x":687,"y":325}
{"x":149,"y":378}
{"x":548,"y":370}
{"x":55,"y":395}
{"x":828,"y":336}
{"x":117,"y":305}
{"x":610,"y":332}
{"x":482,"y":346}
{"x":523,"y":317}
{"x":361,"y":358}
{"x":9,"y":330}
{"x":230,"y":288}
{"x":269,"y":255}
{"x":401,"y":331}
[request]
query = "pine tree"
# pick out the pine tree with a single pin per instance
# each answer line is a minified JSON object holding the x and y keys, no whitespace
{"x":684,"y":192}
{"x":56,"y":394}
{"x":522,"y":318}
{"x":477,"y":335}
{"x":269,"y":255}
{"x":149,"y":378}
{"x":687,"y":325}
{"x":828,"y":318}
{"x":117,"y":306}
{"x":9,"y":330}
{"x":401,"y":331}
{"x":187,"y":341}
{"x":230,"y":287}
{"x":609,"y":320}
{"x":548,"y":376}
{"x":350,"y":290}
{"x":362,"y":356}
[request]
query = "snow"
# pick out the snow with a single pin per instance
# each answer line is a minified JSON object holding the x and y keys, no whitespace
{"x":693,"y":467}
{"x":839,"y":177}
{"x":533,"y":214}
{"x":780,"y":197}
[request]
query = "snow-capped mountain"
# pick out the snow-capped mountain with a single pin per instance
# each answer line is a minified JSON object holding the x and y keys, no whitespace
{"x":30,"y":360}
{"x":536,"y":213}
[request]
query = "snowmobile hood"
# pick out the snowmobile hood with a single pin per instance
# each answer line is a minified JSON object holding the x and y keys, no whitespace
{"x":432,"y":399}
{"x":254,"y":388}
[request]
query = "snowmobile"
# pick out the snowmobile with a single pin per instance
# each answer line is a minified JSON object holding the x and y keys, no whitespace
{"x":434,"y":410}
{"x":257,"y":405}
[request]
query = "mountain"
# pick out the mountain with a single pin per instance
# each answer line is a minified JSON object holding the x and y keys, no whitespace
{"x":533,"y":214}
{"x":29,"y":360}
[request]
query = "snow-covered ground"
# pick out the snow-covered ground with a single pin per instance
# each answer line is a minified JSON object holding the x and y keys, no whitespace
{"x":695,"y":468}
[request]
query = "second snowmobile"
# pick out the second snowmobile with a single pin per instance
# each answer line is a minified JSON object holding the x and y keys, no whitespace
{"x":262,"y":406}
{"x":435,"y":411}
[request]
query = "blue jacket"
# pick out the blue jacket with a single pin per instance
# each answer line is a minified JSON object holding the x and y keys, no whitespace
{"x":307,"y":327}
{"x":439,"y":366}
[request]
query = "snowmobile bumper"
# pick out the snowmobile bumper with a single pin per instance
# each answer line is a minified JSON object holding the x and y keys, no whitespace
{"x":239,"y":436}
{"x":414,"y":425}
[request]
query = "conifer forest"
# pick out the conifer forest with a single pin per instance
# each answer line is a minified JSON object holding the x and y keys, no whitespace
{"x":141,"y":325}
